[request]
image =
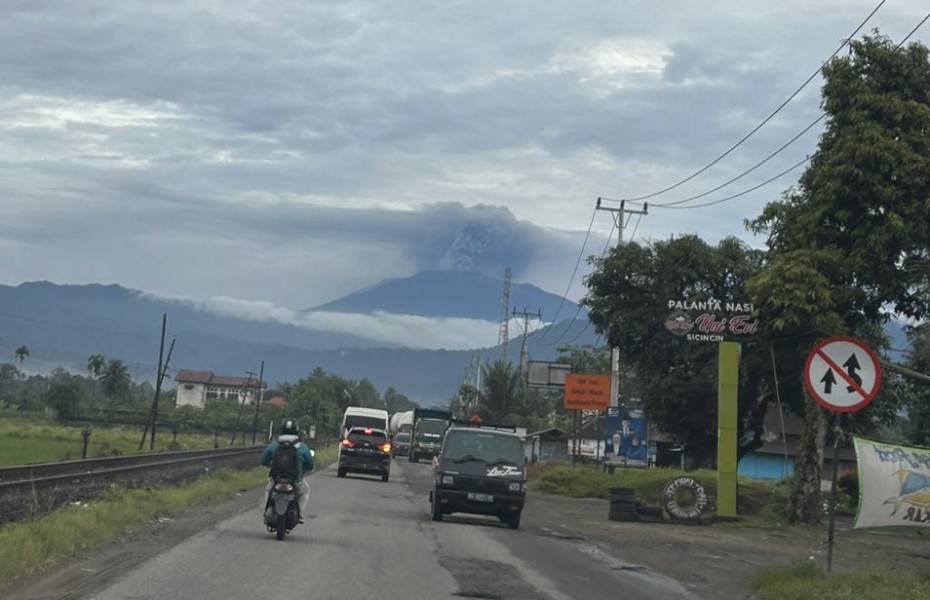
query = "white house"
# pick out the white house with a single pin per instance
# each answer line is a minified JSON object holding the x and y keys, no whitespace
{"x":196,"y":388}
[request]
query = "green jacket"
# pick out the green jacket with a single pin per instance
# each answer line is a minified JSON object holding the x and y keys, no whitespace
{"x":304,"y":458}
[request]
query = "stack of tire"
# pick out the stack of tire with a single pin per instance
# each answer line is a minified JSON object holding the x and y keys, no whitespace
{"x":622,"y":504}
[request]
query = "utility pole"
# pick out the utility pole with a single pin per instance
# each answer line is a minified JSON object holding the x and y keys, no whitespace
{"x":503,"y":336}
{"x":248,"y":387}
{"x":526,"y":316}
{"x":159,"y":377}
{"x":258,"y":402}
{"x":619,"y":216}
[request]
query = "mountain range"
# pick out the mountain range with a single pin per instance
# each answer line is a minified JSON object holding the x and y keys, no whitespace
{"x":64,"y":324}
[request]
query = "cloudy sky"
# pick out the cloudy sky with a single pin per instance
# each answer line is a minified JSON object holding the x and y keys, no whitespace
{"x":290,"y":152}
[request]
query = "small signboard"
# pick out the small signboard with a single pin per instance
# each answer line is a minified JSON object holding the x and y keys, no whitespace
{"x":842,"y":374}
{"x":587,"y":392}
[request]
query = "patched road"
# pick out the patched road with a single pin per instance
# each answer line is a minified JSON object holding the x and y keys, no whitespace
{"x":367,"y":539}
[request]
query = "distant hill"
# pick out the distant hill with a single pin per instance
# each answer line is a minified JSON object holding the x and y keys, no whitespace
{"x":450,"y":294}
{"x":64,"y":324}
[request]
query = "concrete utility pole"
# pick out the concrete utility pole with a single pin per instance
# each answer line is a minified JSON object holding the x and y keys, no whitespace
{"x":258,"y":401}
{"x":503,"y":336}
{"x":620,"y":220}
{"x":526,"y":316}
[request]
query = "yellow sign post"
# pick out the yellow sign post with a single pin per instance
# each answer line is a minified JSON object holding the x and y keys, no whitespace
{"x":727,"y":427}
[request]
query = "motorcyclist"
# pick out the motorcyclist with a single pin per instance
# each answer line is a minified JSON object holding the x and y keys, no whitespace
{"x":290,"y":433}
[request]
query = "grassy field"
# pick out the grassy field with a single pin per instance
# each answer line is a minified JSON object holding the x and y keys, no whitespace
{"x":808,"y":582}
{"x":23,"y":442}
{"x":761,"y":499}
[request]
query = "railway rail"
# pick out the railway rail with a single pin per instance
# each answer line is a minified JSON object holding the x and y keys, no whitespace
{"x":30,"y":490}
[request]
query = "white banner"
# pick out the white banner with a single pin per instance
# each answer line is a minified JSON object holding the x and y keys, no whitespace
{"x":894,"y":485}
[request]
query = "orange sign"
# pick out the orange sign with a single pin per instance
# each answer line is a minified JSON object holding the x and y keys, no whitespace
{"x":587,"y":392}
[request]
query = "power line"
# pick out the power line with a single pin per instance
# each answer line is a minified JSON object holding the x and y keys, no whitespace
{"x":743,"y":193}
{"x":768,"y":118}
{"x":766,"y":159}
{"x":750,"y":170}
{"x":574,"y":273}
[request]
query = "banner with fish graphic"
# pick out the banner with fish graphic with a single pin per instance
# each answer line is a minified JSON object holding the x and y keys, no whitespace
{"x":894,"y":485}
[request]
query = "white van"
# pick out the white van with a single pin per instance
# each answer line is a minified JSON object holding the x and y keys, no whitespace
{"x":356,"y":416}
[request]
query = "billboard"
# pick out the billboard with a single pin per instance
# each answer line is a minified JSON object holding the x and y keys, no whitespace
{"x":626,"y":432}
{"x":587,"y":392}
{"x":894,"y":485}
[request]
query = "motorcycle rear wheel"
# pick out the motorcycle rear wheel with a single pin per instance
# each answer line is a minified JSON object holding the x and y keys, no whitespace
{"x":281,"y":528}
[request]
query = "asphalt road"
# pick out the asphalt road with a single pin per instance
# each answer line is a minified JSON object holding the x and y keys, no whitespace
{"x":368,"y":539}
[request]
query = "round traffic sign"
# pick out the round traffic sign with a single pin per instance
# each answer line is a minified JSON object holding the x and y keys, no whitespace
{"x":842,"y":374}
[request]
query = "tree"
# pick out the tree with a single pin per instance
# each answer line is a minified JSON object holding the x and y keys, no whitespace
{"x":396,"y":402}
{"x":501,"y":398}
{"x":64,"y":398}
{"x":918,"y":359}
{"x":95,"y":364}
{"x":114,"y":380}
{"x":677,"y":379}
{"x":21,"y":353}
{"x":852,"y":241}
{"x":365,"y":394}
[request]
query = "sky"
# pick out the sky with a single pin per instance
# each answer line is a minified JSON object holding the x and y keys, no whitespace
{"x":291,"y":152}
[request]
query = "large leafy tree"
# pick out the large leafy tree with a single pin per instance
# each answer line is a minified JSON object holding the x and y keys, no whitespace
{"x":851,"y":242}
{"x":677,"y":379}
{"x":394,"y":401}
{"x":918,"y":359}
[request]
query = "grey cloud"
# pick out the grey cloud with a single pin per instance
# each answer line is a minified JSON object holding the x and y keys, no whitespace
{"x":327,"y":145}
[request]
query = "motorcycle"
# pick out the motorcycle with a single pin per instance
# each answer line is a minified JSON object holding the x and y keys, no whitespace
{"x":281,"y":508}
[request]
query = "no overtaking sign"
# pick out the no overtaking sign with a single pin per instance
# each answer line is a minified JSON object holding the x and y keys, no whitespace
{"x":842,"y":374}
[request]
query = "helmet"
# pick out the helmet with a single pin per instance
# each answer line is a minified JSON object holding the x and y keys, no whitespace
{"x":290,"y":427}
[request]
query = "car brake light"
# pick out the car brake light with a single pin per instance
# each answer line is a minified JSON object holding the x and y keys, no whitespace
{"x":385,"y":447}
{"x":347,"y":443}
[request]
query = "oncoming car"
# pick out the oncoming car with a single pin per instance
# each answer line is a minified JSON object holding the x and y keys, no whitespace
{"x":480,"y":471}
{"x":365,"y":450}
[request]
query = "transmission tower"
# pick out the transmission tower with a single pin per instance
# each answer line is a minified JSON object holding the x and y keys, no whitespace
{"x":503,"y":336}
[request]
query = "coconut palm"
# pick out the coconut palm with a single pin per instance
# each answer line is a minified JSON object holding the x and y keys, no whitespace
{"x":501,"y":398}
{"x":114,"y":379}
{"x":95,"y":364}
{"x":21,"y":353}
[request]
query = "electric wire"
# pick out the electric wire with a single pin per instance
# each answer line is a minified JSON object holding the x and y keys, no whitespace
{"x":572,"y":278}
{"x":766,"y":159}
{"x":578,"y":311}
{"x":813,"y":76}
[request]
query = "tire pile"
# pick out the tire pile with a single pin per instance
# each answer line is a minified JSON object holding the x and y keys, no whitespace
{"x":625,"y":507}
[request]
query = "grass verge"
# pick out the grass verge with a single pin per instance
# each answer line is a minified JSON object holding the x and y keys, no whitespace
{"x":808,"y":582}
{"x":760,"y":499}
{"x":26,"y":548}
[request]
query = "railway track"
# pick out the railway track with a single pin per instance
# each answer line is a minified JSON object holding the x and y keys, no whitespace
{"x":30,"y":490}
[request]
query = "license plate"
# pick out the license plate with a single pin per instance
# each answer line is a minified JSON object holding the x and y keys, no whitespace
{"x":480,"y":497}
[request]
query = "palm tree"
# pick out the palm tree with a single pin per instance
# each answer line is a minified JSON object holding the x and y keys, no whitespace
{"x":501,"y":398}
{"x":95,"y":364}
{"x":21,"y":353}
{"x":114,"y":379}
